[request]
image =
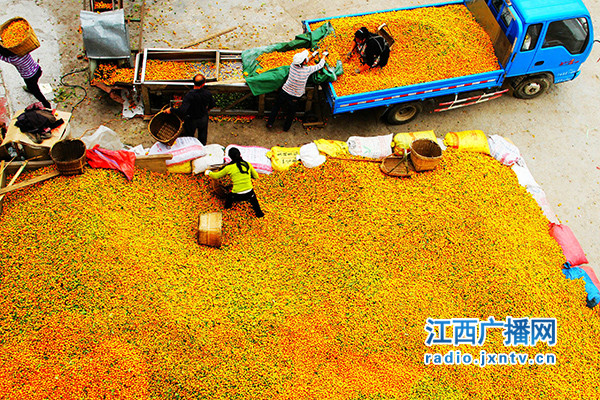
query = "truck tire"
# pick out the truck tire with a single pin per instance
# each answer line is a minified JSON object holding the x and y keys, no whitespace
{"x":402,"y":113}
{"x":531,"y":87}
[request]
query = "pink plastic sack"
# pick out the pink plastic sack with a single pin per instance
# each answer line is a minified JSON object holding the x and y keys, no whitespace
{"x":570,"y":246}
{"x":121,"y":160}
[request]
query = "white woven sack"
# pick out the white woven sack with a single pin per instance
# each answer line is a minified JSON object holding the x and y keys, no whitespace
{"x":185,"y":148}
{"x":310,"y":156}
{"x":257,"y":156}
{"x":377,"y":147}
{"x":215,"y":154}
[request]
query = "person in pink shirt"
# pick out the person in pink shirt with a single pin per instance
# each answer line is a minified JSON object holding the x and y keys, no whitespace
{"x":29,"y":70}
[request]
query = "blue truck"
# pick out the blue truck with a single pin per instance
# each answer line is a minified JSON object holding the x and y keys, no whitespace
{"x":537,"y":42}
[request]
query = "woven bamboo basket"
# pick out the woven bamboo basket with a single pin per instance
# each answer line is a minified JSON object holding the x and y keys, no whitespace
{"x":398,"y":166}
{"x":69,"y":156}
{"x":164,"y":127}
{"x":425,"y":154}
{"x":28,"y":44}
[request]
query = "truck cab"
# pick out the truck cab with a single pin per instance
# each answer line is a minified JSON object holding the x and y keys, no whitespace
{"x":550,"y":40}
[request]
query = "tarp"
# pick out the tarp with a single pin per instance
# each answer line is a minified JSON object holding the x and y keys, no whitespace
{"x":593,"y":294}
{"x":273,"y":79}
{"x":105,"y":34}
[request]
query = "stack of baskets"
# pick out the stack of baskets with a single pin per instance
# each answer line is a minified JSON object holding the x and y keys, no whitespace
{"x":165,"y":127}
{"x":29,"y":42}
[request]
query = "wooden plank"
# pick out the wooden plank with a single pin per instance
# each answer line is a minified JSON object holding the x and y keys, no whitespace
{"x":261,"y":105}
{"x":155,"y":163}
{"x":31,"y":165}
{"x":2,"y":180}
{"x":142,"y":13}
{"x":29,"y":182}
{"x":14,"y":178}
{"x":207,"y":38}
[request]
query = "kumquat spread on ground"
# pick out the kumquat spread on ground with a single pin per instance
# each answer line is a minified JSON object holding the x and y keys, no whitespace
{"x":15,"y":33}
{"x":431,"y":43}
{"x":105,"y":292}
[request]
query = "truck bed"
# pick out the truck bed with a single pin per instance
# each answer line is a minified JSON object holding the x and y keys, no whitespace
{"x":414,"y":92}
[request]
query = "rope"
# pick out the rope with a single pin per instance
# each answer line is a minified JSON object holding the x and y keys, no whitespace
{"x":75,"y":86}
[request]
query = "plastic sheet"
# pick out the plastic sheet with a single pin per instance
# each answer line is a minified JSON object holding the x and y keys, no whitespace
{"x":105,"y":34}
{"x":271,"y":80}
{"x":121,"y":160}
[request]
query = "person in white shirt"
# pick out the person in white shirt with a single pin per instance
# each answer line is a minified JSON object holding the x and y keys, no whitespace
{"x":294,"y":87}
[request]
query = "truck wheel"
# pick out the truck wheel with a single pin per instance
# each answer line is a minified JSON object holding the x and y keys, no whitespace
{"x":532,"y":87}
{"x":402,"y":113}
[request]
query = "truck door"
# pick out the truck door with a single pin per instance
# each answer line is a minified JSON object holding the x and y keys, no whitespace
{"x":558,"y":47}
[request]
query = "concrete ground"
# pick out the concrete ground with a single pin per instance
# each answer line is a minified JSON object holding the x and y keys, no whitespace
{"x":557,"y":133}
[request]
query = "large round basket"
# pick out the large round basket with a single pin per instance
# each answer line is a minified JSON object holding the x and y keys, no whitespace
{"x":29,"y":43}
{"x":425,"y":154}
{"x":165,"y":128}
{"x":69,"y":156}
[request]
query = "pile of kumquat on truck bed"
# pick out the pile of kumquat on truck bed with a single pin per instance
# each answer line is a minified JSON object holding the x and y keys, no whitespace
{"x":106,"y":294}
{"x":431,"y":43}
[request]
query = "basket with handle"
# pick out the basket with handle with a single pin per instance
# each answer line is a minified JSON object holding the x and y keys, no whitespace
{"x":29,"y":42}
{"x":165,"y":127}
{"x":425,"y":154}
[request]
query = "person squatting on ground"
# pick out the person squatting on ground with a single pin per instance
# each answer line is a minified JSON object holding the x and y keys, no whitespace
{"x":372,"y":49}
{"x":294,"y":87}
{"x":241,"y":174}
{"x":29,"y":70}
{"x":194,"y":109}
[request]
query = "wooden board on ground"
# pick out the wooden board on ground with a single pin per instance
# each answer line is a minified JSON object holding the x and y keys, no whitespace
{"x":29,"y":182}
{"x":31,"y":165}
{"x":2,"y":180}
{"x":32,"y":149}
{"x":155,"y":163}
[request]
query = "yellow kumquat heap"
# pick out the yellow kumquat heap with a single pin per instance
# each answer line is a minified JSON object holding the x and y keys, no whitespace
{"x":106,"y":294}
{"x":431,"y":43}
{"x":110,"y":74}
{"x":15,"y":33}
{"x":277,"y":59}
{"x":101,"y":6}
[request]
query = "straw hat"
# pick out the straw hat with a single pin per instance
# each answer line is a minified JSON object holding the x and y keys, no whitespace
{"x":300,"y":57}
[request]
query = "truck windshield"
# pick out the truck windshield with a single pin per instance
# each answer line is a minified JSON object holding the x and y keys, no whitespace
{"x":573,"y":34}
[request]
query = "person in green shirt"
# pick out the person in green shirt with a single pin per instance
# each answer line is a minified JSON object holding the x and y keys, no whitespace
{"x":241,"y":174}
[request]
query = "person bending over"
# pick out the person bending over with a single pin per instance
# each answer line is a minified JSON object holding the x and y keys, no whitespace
{"x":371,"y":48}
{"x":241,"y":174}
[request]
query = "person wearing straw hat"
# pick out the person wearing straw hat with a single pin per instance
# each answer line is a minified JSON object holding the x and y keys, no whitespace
{"x":241,"y":174}
{"x":29,"y":70}
{"x":294,"y":87}
{"x":194,"y":109}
